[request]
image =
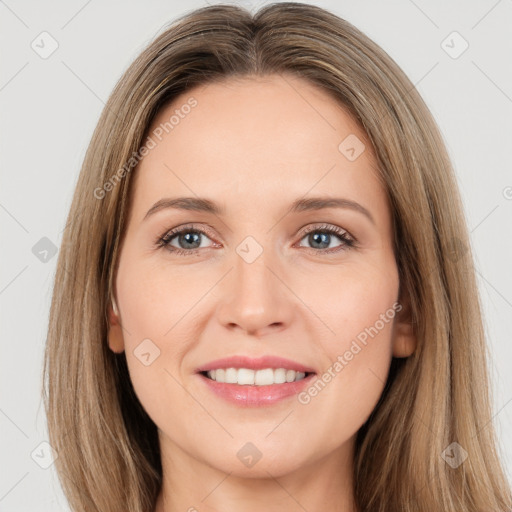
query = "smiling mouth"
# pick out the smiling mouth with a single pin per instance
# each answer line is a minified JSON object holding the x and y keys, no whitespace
{"x":249,"y":377}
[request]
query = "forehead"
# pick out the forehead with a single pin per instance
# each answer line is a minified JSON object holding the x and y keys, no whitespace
{"x":252,"y":138}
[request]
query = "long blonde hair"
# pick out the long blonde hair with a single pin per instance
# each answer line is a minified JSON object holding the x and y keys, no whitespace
{"x":108,"y":450}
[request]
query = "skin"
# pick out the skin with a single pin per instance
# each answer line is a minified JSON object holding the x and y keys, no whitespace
{"x":254,"y":145}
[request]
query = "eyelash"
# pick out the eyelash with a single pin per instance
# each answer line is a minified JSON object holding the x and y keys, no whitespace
{"x":164,"y":241}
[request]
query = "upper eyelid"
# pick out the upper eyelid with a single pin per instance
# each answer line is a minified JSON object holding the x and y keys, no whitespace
{"x":187,"y":227}
{"x":323,"y":225}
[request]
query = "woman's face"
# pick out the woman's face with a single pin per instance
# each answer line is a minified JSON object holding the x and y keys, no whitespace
{"x":262,"y":279}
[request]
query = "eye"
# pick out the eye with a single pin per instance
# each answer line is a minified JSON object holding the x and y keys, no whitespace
{"x":188,"y":238}
{"x":320,"y":237}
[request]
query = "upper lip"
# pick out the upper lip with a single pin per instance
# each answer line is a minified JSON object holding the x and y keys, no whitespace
{"x":259,"y":363}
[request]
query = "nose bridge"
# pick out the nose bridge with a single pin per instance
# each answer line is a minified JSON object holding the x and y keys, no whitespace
{"x":254,"y":298}
{"x":251,"y":279}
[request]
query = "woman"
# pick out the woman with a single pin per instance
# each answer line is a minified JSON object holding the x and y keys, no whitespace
{"x":255,"y":368}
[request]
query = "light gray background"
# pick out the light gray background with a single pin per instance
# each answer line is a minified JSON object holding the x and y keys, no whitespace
{"x":49,"y":110}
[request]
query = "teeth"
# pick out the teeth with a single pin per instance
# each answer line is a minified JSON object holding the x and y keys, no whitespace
{"x":290,"y":375}
{"x":231,"y":376}
{"x":244,"y":376}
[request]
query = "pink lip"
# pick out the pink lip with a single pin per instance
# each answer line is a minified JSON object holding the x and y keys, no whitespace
{"x":255,"y":364}
{"x":256,"y":396}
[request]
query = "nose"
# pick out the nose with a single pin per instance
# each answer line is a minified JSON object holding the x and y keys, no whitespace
{"x":256,"y":298}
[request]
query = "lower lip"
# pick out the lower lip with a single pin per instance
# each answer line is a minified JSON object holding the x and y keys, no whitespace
{"x":256,"y":396}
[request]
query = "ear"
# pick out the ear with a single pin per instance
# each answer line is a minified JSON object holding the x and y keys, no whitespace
{"x":115,"y":331}
{"x":404,"y":337}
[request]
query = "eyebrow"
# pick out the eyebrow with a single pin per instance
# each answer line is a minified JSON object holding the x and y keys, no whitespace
{"x":200,"y":204}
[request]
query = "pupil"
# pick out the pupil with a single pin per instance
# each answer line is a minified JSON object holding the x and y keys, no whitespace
{"x":187,"y":236}
{"x":323,"y":237}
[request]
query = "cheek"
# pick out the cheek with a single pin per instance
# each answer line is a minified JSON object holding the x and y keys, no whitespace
{"x":157,"y":308}
{"x":360,"y":313}
{"x":358,"y":350}
{"x":151,"y":318}
{"x":357,"y":302}
{"x":157,"y":300}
